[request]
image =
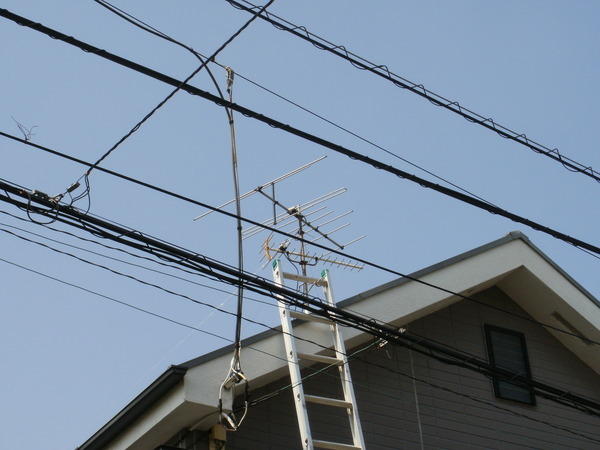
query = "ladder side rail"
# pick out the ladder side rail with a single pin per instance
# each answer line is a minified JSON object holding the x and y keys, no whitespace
{"x":292,"y":359}
{"x":344,"y":369}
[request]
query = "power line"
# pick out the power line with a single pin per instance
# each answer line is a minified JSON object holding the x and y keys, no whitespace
{"x":217,"y":270}
{"x":145,"y":311}
{"x":162,"y":317}
{"x":475,"y":399}
{"x":206,"y":332}
{"x":304,"y":135}
{"x":177,"y":89}
{"x":152,"y":30}
{"x":112,"y":299}
{"x":318,"y":372}
{"x":136,"y":279}
{"x":180,"y":323}
{"x":153,"y":285}
{"x":274,"y":230}
{"x":124,"y":261}
{"x":437,"y":100}
{"x":356,"y":355}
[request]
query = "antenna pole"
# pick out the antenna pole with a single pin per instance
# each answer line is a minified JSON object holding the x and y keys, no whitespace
{"x":303,"y":261}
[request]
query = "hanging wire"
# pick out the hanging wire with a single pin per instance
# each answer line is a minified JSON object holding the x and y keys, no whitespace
{"x":235,"y":375}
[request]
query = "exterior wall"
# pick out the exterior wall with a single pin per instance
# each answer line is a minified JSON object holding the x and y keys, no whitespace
{"x":445,"y":406}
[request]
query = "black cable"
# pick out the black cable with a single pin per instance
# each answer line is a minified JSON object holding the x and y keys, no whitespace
{"x":160,"y":316}
{"x":274,"y":230}
{"x":236,"y":365}
{"x":153,"y":285}
{"x":437,"y":100}
{"x":214,"y":288}
{"x":150,"y":29}
{"x":177,"y":89}
{"x":419,"y":344}
{"x":472,"y":398}
{"x":268,"y":396}
{"x":316,"y":373}
{"x":302,"y":134}
{"x":357,"y":355}
{"x":112,"y":299}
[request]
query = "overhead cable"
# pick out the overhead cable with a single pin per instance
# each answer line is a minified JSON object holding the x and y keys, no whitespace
{"x":149,"y":284}
{"x":112,"y":258}
{"x":160,"y":316}
{"x":218,"y":270}
{"x":318,"y":372}
{"x":475,"y":399}
{"x":112,"y":299}
{"x":356,"y":355}
{"x":177,"y":89}
{"x":383,"y":71}
{"x":152,"y":30}
{"x":304,"y":135}
{"x":283,"y":233}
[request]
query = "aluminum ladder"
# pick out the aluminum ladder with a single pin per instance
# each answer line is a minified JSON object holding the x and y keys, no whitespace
{"x":340,"y":360}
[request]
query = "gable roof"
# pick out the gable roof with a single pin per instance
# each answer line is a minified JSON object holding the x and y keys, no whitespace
{"x":188,"y":392}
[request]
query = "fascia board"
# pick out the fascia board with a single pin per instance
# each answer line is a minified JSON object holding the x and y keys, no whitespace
{"x":264,"y":360}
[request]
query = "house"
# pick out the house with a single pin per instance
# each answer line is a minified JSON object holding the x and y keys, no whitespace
{"x":408,"y":399}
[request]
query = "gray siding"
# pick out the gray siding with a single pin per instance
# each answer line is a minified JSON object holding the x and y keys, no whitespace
{"x":446,"y":407}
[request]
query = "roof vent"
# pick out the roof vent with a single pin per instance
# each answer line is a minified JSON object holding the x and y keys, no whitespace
{"x":566,"y":324}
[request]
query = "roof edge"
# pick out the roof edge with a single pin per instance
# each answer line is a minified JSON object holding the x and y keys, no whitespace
{"x":138,"y":406}
{"x":175,"y":374}
{"x":511,"y":236}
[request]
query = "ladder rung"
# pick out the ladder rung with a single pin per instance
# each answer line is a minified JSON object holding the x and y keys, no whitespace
{"x":303,"y":279}
{"x":321,"y":359}
{"x":310,"y":317}
{"x":329,"y":401}
{"x":334,"y":445}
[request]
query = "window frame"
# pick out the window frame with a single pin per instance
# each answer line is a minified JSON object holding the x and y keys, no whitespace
{"x":496,"y":381}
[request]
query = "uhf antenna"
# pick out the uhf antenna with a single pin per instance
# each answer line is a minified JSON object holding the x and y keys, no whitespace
{"x":309,"y":221}
{"x":306,"y":228}
{"x":271,"y":183}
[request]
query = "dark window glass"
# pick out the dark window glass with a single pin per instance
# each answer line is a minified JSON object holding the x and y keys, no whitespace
{"x":507,"y":350}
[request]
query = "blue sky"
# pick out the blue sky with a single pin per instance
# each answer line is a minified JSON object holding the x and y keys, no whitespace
{"x":73,"y":359}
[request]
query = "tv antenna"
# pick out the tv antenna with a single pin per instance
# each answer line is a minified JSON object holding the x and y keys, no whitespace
{"x":310,"y":222}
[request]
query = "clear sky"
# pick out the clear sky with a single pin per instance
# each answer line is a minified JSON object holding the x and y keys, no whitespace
{"x":72,"y":358}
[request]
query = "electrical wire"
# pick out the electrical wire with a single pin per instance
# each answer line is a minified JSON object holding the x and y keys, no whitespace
{"x":112,"y":299}
{"x":437,"y":100}
{"x":304,"y":135}
{"x":154,"y":285}
{"x":235,"y":369}
{"x":316,"y":373}
{"x":145,"y":311}
{"x":546,"y":397}
{"x":401,"y":337}
{"x":162,"y":317}
{"x":141,"y":281}
{"x":255,"y":300}
{"x":201,"y":330}
{"x":152,"y":30}
{"x":169,"y":96}
{"x":280,"y":232}
{"x":312,"y":138}
{"x":472,"y":398}
{"x":357,"y":355}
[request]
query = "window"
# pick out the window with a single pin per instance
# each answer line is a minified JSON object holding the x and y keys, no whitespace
{"x":507,"y":350}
